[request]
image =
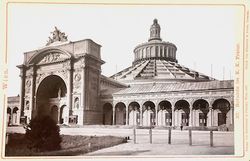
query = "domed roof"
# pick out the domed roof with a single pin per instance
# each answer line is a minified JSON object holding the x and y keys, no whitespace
{"x":159,"y":71}
{"x":155,"y":61}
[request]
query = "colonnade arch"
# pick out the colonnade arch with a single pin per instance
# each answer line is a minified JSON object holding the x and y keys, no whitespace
{"x":195,"y":112}
{"x":134,"y":113}
{"x":148,"y":113}
{"x":165,"y":113}
{"x":8,"y":116}
{"x":107,"y":114}
{"x":221,"y":108}
{"x":120,"y":113}
{"x":13,"y":115}
{"x":200,"y":111}
{"x":182,"y":111}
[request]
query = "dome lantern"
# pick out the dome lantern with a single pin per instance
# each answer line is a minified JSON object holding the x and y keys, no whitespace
{"x":155,"y":31}
{"x":155,"y":48}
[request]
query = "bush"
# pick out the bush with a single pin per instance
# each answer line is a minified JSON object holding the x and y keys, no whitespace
{"x":43,"y":134}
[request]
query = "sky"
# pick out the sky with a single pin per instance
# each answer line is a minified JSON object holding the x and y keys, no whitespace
{"x":204,"y":36}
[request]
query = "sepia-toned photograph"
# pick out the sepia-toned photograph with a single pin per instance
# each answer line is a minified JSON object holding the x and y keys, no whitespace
{"x":123,"y":80}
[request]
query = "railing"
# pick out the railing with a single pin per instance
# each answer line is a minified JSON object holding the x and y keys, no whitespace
{"x":166,"y":135}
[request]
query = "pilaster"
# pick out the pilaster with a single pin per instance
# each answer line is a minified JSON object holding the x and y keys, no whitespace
{"x":68,"y":110}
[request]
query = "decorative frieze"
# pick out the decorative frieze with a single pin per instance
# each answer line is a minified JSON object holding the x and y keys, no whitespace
{"x":51,"y":57}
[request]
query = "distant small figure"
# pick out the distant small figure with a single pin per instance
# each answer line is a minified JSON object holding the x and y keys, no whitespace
{"x":181,"y":126}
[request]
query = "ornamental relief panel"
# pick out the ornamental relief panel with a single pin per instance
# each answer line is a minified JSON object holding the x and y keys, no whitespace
{"x":77,"y":77}
{"x":39,"y":78}
{"x":28,"y":86}
{"x":82,"y":63}
{"x":30,"y":72}
{"x":53,"y":57}
{"x":77,"y":63}
{"x":64,"y":74}
{"x":77,"y":81}
{"x":66,"y":65}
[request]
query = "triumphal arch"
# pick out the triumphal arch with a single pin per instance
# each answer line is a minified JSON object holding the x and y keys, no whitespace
{"x":62,"y":80}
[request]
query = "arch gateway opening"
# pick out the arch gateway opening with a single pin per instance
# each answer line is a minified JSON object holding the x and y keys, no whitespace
{"x":51,"y":98}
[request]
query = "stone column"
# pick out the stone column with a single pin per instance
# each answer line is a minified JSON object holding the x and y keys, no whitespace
{"x":194,"y":113}
{"x":191,"y":119}
{"x":149,"y":51}
{"x":18,"y":117}
{"x":174,"y":53}
{"x":127,"y":114}
{"x":141,"y":53}
{"x":163,"y":51}
{"x":167,"y":54}
{"x":113,"y":118}
{"x":141,"y":117}
{"x":173,"y":117}
{"x":58,"y":116}
{"x":177,"y":118}
{"x":159,"y":51}
{"x":211,"y":116}
{"x":156,"y":114}
{"x":171,"y":52}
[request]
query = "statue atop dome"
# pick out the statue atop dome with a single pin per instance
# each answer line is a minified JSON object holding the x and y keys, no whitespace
{"x":57,"y":35}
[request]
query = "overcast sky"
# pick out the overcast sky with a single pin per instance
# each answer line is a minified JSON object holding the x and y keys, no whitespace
{"x":204,"y":36}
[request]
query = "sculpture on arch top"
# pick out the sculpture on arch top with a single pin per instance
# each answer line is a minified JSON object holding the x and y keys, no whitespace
{"x":57,"y":35}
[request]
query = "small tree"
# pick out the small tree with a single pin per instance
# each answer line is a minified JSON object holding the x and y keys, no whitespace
{"x":43,"y":134}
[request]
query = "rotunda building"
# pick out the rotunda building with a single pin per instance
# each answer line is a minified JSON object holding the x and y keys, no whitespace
{"x":162,"y":92}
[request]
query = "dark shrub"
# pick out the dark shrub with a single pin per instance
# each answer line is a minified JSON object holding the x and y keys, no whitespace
{"x":43,"y":134}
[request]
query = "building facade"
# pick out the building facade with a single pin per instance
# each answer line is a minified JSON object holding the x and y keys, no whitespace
{"x":63,"y":80}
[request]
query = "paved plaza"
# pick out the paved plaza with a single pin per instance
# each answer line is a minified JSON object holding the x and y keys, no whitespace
{"x":223,"y":142}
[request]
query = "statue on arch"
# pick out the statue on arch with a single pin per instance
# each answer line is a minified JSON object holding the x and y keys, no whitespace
{"x":57,"y":35}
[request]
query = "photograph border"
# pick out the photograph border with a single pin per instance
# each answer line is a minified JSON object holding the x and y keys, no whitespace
{"x":243,"y":88}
